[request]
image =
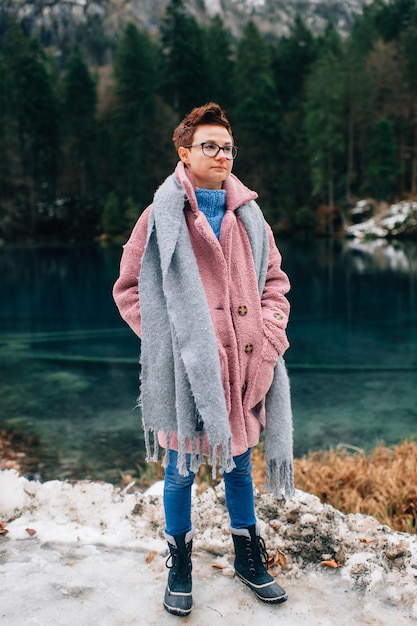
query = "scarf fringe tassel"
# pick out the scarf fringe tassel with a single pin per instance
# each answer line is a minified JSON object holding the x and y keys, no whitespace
{"x":279,"y":479}
{"x":221,"y":452}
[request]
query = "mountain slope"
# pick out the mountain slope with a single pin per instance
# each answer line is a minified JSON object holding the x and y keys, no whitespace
{"x":52,"y":18}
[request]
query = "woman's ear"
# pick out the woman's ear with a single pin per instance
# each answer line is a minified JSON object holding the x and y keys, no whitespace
{"x":183,"y":154}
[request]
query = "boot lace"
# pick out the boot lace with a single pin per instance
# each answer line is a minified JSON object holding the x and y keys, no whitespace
{"x":257,"y":555}
{"x":263,"y":554}
{"x":180,"y":561}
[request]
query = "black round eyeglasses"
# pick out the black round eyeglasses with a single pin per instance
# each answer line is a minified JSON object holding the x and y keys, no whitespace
{"x":211,"y":149}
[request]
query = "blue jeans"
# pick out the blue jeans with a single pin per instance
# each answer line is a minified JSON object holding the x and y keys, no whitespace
{"x":238,"y":487}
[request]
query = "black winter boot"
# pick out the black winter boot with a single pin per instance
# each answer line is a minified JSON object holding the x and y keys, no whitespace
{"x":178,"y":599}
{"x":251,"y":565}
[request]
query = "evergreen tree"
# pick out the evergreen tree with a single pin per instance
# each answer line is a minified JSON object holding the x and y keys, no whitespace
{"x":34,"y":117}
{"x":393,"y":17}
{"x":293,"y":57}
{"x":220,"y":64}
{"x":409,"y":51}
{"x":132,"y":123}
{"x":358,"y":97}
{"x":383,"y":163}
{"x":324,"y":121}
{"x":294,"y":184}
{"x":92,"y":40}
{"x":6,"y":172}
{"x":112,"y":220}
{"x":292,"y":60}
{"x":131,"y":213}
{"x":392,"y":98}
{"x":80,"y":132}
{"x":4,"y":106}
{"x":257,"y":124}
{"x":185,"y":61}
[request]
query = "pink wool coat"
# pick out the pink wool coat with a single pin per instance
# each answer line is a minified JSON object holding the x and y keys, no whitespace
{"x":250,"y":330}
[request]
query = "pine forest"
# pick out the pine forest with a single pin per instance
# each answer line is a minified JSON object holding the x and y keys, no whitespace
{"x":320,"y":120}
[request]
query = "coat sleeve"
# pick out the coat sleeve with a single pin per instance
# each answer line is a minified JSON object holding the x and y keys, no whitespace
{"x":275,"y":306}
{"x":126,"y":287}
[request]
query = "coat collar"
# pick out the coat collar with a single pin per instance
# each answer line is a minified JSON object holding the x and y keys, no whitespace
{"x":237,"y":193}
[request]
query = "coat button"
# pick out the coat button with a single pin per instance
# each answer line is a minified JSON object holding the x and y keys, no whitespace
{"x":248,"y":348}
{"x":243,"y":309}
{"x":278,"y":316}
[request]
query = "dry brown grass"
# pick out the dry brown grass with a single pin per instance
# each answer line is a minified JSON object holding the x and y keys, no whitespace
{"x":382,"y":483}
{"x":9,"y":458}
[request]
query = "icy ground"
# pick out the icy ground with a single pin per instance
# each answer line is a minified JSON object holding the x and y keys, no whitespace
{"x":93,"y":555}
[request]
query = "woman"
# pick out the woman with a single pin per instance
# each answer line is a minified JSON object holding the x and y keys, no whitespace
{"x":201,"y":284}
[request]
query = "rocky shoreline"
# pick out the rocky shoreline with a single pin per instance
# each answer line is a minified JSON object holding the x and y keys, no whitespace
{"x":374,"y":220}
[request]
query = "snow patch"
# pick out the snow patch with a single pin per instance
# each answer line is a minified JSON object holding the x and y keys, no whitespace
{"x":92,"y":553}
{"x":397,"y":220}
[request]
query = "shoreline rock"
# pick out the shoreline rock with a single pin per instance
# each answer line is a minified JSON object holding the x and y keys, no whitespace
{"x":379,"y":220}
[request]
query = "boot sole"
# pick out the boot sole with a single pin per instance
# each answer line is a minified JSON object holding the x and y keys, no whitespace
{"x":175,"y":611}
{"x":276,"y":600}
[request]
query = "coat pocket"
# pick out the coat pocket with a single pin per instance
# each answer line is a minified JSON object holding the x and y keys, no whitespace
{"x":224,"y":367}
{"x":264,"y":374}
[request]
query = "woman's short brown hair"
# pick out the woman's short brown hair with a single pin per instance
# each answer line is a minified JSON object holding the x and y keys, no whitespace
{"x":210,"y":113}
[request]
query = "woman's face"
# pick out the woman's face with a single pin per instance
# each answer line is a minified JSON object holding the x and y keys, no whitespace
{"x":208,"y":172}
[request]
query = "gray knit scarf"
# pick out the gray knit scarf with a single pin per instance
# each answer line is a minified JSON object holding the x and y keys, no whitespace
{"x":180,"y":369}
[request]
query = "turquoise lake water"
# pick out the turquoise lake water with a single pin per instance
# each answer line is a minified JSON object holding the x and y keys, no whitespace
{"x":69,"y":365}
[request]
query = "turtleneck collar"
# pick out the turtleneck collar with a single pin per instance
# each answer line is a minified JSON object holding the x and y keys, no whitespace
{"x":237,"y":193}
{"x":212,"y":202}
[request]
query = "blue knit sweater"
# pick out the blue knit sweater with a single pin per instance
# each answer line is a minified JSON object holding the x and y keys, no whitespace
{"x":212,"y":202}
